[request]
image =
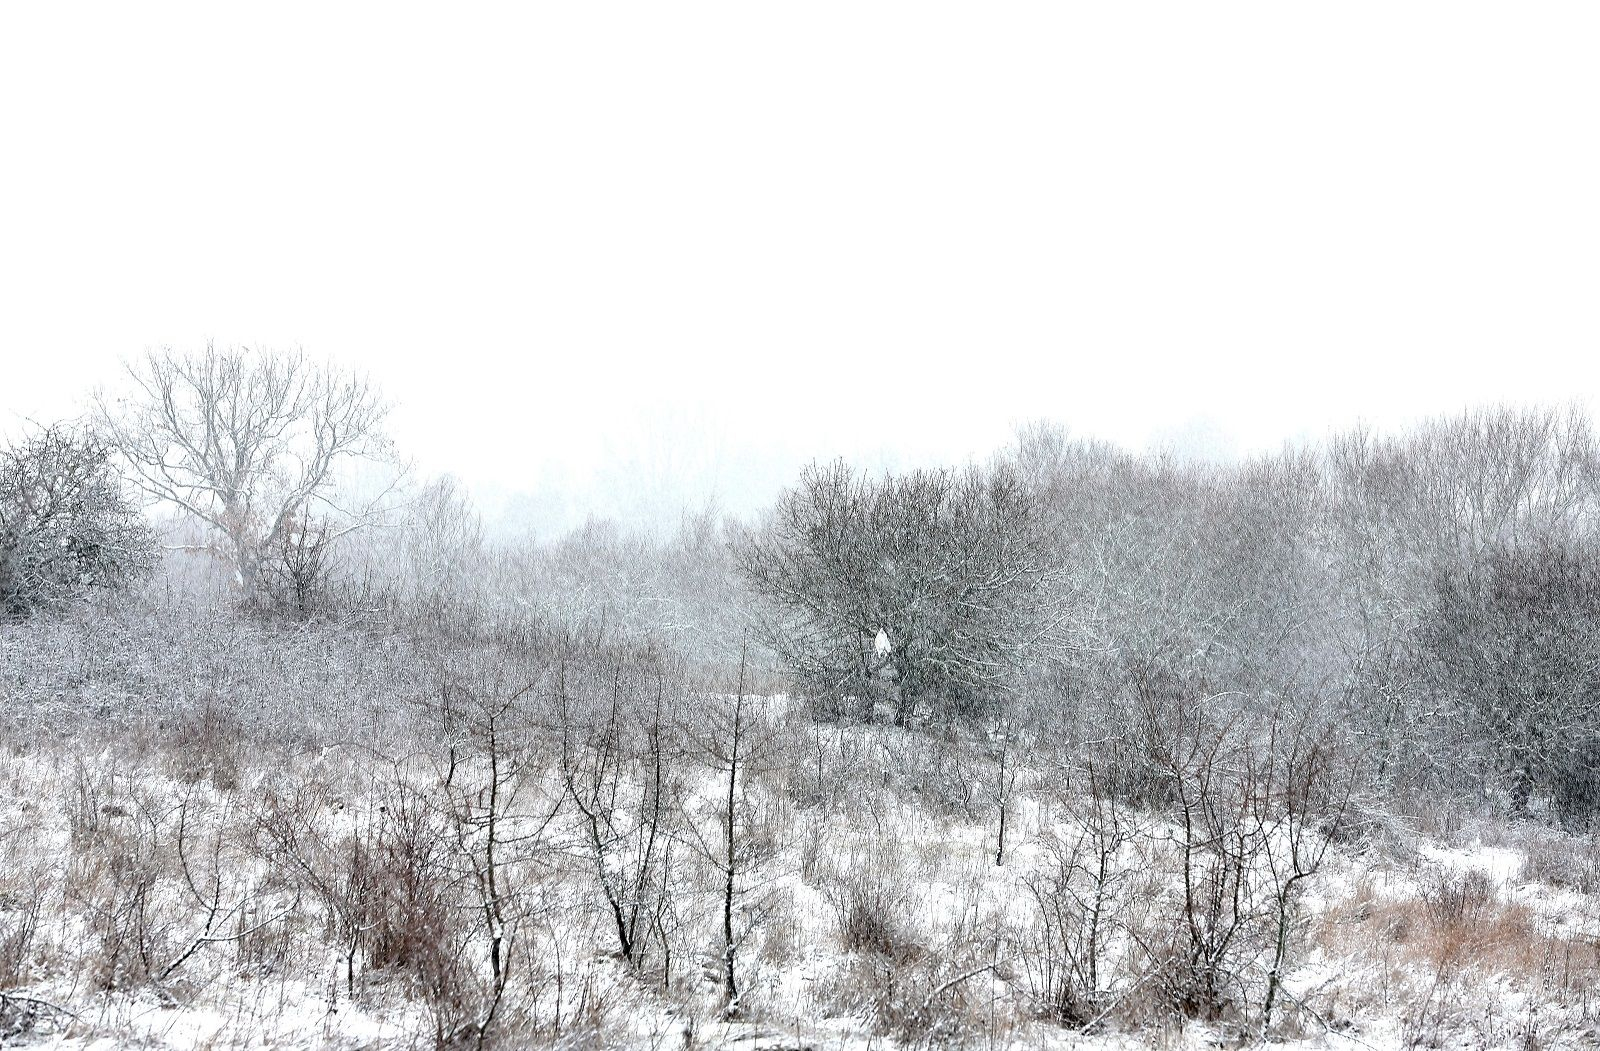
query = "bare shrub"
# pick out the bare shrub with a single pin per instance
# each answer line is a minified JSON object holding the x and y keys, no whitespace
{"x":1457,"y":898}
{"x":620,"y":772}
{"x":207,"y":744}
{"x":225,"y":905}
{"x":1079,"y":896}
{"x":1458,"y":923}
{"x":299,"y":576}
{"x":735,"y":738}
{"x":872,"y":909}
{"x":497,"y":822}
{"x":921,"y":992}
{"x":113,"y":879}
{"x":934,"y":1000}
{"x":66,"y":524}
{"x":829,"y":766}
{"x":21,"y":906}
{"x":413,"y":923}
{"x":1254,"y":796}
{"x":1570,"y":862}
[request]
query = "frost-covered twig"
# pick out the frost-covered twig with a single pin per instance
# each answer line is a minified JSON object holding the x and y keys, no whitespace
{"x":14,"y":997}
{"x":957,"y":980}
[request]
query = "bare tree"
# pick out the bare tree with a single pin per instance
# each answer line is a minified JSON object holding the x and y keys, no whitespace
{"x":1007,"y":745}
{"x":1513,"y":645}
{"x":1407,"y":510}
{"x":490,"y":763}
{"x":442,"y":549}
{"x":924,"y":587}
{"x":1306,"y":786}
{"x":249,"y":442}
{"x":735,"y":737}
{"x":616,"y":768}
{"x":66,"y":524}
{"x":1080,"y":893}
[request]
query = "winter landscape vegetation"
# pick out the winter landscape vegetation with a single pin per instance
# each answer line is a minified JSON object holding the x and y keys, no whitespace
{"x":1065,"y":746}
{"x":861,"y":525}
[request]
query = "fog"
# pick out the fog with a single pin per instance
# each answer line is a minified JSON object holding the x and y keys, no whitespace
{"x":598,"y":254}
{"x":837,"y":526}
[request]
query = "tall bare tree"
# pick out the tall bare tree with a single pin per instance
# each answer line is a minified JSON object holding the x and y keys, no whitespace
{"x":250,"y":442}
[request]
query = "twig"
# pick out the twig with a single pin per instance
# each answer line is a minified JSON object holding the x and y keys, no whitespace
{"x":957,"y":980}
{"x":217,"y":939}
{"x":23,"y":998}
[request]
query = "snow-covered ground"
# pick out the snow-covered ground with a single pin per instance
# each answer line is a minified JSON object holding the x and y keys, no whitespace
{"x":1428,"y":944}
{"x":1396,"y":942}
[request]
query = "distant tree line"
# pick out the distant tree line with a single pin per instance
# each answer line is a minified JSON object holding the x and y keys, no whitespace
{"x":1432,"y":594}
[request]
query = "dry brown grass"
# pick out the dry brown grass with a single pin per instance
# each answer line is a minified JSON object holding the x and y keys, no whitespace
{"x":1458,"y":923}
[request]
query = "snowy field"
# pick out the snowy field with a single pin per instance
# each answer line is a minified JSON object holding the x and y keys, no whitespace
{"x":189,"y":875}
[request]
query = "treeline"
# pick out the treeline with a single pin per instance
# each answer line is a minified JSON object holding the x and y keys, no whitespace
{"x":1433,"y":594}
{"x":317,"y":709}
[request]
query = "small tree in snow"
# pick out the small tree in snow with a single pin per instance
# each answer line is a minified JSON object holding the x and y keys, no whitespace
{"x":66,"y":523}
{"x":926,"y":587}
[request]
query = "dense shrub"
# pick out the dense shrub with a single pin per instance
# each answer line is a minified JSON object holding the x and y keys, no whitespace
{"x":66,"y":523}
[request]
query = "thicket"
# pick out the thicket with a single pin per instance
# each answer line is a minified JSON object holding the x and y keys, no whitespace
{"x":465,"y":764}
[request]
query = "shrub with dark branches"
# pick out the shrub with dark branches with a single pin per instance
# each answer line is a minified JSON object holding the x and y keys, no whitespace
{"x":1513,"y":640}
{"x":66,"y":523}
{"x":925,"y":588}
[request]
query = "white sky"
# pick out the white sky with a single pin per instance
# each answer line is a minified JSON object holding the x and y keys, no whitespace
{"x":624,"y":249}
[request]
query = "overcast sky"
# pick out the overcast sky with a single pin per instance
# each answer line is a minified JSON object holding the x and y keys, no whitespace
{"x":593,"y":250}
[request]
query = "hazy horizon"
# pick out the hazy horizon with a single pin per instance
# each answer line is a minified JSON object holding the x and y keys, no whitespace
{"x":584,"y":253}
